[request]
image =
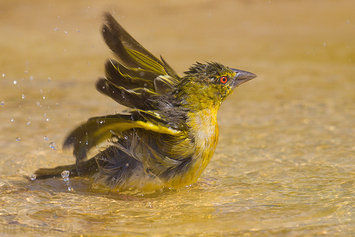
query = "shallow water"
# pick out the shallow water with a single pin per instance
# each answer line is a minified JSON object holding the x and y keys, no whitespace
{"x":284,"y":162}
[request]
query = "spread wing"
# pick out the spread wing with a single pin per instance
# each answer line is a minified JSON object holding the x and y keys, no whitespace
{"x":98,"y":129}
{"x":137,"y":80}
{"x":137,"y":75}
{"x":139,"y":136}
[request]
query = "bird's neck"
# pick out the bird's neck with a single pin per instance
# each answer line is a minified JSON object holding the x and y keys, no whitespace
{"x":203,"y":124}
{"x":198,"y":97}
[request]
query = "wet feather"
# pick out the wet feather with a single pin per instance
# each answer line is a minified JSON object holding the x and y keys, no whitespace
{"x":169,"y":134}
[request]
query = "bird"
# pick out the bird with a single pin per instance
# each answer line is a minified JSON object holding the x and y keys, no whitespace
{"x":169,"y":132}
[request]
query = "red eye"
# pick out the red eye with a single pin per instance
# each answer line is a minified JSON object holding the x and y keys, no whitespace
{"x":223,"y":80}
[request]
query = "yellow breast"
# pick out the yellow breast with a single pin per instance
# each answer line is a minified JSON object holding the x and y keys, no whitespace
{"x":204,"y":129}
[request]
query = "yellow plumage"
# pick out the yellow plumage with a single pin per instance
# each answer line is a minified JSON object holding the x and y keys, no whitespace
{"x":170,"y":133}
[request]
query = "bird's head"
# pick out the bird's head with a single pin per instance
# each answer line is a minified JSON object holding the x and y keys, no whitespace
{"x":207,"y":85}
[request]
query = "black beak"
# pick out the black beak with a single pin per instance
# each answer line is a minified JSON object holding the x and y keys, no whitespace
{"x":241,"y":77}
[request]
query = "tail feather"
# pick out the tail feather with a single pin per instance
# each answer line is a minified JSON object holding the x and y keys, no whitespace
{"x":88,"y":168}
{"x":46,"y":173}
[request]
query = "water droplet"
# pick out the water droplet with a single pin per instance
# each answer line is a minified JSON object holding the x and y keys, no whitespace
{"x":12,"y":120}
{"x":23,"y":96}
{"x":33,"y":177}
{"x":45,"y":138}
{"x":44,"y":97}
{"x":2,"y":103}
{"x":3,"y":75}
{"x":28,"y":123}
{"x":18,"y":139}
{"x":52,"y":145}
{"x":15,"y":82}
{"x":65,"y":175}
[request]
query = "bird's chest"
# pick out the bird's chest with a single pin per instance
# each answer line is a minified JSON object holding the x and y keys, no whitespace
{"x":204,"y":129}
{"x":203,"y":133}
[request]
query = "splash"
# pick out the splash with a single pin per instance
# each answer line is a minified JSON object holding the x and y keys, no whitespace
{"x":52,"y":145}
{"x":33,"y":177}
{"x":65,"y":175}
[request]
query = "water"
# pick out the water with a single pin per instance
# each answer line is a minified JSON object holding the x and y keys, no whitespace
{"x":33,"y":177}
{"x":284,"y":164}
{"x":65,"y":175}
{"x":52,"y":145}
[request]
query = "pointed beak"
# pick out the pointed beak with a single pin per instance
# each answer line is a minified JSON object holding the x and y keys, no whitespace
{"x":241,"y":77}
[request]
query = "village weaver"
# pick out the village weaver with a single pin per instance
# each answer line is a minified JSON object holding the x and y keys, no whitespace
{"x":167,"y":137}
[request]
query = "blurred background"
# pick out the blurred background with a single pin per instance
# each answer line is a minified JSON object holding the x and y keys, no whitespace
{"x":284,"y":164}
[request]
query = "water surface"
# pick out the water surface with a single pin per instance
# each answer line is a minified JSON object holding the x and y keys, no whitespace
{"x":284,"y":164}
